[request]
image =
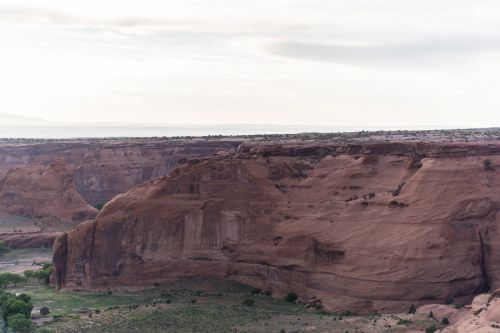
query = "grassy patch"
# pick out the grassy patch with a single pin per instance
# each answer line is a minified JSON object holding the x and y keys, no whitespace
{"x":219,"y":307}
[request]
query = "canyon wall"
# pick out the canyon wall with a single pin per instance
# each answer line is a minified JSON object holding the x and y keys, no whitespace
{"x":368,"y":227}
{"x":104,"y":168}
{"x":39,"y":191}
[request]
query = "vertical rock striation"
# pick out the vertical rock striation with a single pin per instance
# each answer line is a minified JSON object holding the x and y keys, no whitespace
{"x":363,"y":227}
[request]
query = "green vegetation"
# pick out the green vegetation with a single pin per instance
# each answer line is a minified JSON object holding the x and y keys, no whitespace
{"x":431,"y":329}
{"x":20,"y":324}
{"x":45,"y":330}
{"x":43,"y":275}
{"x":221,"y":306}
{"x":248,"y":302}
{"x":100,"y":205}
{"x":412,"y":309}
{"x":3,"y":248}
{"x":404,"y":322}
{"x":291,"y":297}
{"x":16,"y":311}
{"x":11,"y":279}
{"x":445,"y":321}
{"x":44,"y":311}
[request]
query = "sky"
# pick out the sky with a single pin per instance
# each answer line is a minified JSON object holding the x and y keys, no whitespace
{"x":361,"y":63}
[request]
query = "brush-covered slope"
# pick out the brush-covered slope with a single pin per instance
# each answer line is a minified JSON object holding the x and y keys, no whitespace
{"x":363,"y":227}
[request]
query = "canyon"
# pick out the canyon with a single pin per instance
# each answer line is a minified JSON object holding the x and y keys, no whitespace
{"x":48,"y":186}
{"x":365,"y":227}
{"x":103,"y":168}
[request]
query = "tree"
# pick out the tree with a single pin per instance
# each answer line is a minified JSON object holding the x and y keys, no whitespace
{"x":25,"y":298}
{"x":44,"y":273}
{"x":412,"y":309}
{"x":16,"y":306}
{"x":3,"y":248}
{"x":20,"y":324}
{"x":44,"y":311}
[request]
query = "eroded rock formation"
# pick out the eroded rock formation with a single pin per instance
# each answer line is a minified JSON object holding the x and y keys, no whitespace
{"x":482,"y":315}
{"x":104,"y":168}
{"x":362,"y":227}
{"x":39,"y":191}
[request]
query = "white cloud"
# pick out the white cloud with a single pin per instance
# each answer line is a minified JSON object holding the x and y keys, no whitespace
{"x":375,"y":62}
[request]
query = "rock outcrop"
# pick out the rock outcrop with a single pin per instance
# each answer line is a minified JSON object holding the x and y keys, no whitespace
{"x":104,"y":168}
{"x":30,"y":240}
{"x":39,"y":191}
{"x":482,"y":315}
{"x":374,"y":227}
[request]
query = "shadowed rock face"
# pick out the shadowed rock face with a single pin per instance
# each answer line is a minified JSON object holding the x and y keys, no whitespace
{"x":44,"y":191}
{"x":361,"y":227}
{"x":104,"y":168}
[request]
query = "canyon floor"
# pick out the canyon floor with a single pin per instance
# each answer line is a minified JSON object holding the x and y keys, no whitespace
{"x":202,"y":305}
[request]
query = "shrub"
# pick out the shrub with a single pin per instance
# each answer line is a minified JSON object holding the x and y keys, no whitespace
{"x":57,"y":317}
{"x":291,"y":297}
{"x":445,"y":321}
{"x":3,"y":248}
{"x":404,"y":322}
{"x":194,"y":300}
{"x":488,"y":165}
{"x":28,"y":274}
{"x":44,"y":311}
{"x":412,"y":309}
{"x":268,"y":293}
{"x":100,"y":205}
{"x":20,"y":324}
{"x":248,"y":302}
{"x":431,"y":329}
{"x":256,"y":291}
{"x":8,"y":278}
{"x":449,"y":301}
{"x":431,"y":315}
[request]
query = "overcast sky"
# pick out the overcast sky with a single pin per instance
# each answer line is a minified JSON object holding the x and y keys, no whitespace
{"x":330,"y":62}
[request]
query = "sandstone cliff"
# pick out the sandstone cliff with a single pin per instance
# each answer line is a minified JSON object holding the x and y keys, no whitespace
{"x":39,"y":191}
{"x":366,"y":227}
{"x":104,"y":168}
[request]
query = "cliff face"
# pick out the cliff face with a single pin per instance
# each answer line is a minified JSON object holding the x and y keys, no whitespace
{"x":44,"y":191}
{"x":363,"y":227}
{"x":104,"y":168}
